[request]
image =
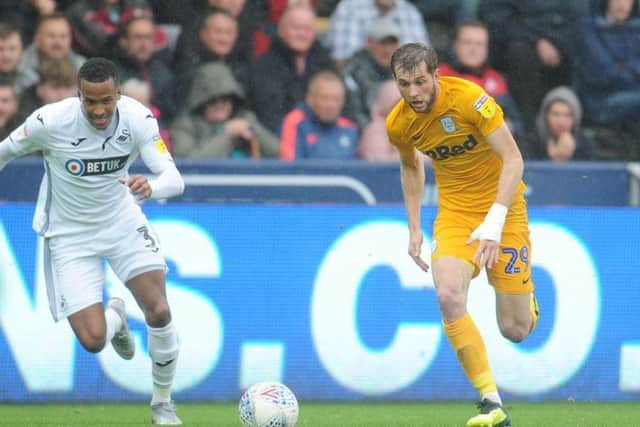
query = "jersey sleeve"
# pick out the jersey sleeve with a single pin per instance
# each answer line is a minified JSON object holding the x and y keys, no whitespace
{"x":153,"y":150}
{"x":27,"y":138}
{"x":483,"y":110}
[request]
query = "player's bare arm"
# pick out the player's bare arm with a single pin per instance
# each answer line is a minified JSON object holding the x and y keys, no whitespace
{"x":413,"y":179}
{"x":490,"y":231}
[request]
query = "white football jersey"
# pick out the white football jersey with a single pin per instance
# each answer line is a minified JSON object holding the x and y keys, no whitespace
{"x":80,"y":187}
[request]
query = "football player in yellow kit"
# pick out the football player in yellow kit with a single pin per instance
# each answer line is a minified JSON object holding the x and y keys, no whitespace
{"x":482,"y":215}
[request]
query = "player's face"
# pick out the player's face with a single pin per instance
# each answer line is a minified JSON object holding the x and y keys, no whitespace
{"x":418,"y":88}
{"x":99,"y":101}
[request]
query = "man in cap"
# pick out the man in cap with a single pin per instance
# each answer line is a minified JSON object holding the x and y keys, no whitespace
{"x":369,"y":67}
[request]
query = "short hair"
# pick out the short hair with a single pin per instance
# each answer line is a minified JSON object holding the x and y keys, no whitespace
{"x":7,"y":29}
{"x":57,"y":72}
{"x":54,"y":16}
{"x":6,"y":81}
{"x":409,"y":56}
{"x":98,"y":70}
{"x":327,"y":76}
{"x":470,"y":23}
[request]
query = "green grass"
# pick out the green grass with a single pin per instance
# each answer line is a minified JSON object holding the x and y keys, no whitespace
{"x":382,"y":414}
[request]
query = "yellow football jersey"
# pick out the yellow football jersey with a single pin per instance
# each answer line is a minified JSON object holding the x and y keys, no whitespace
{"x":453,"y":134}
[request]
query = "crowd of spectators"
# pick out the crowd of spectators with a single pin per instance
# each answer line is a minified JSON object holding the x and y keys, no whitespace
{"x":296,"y":79}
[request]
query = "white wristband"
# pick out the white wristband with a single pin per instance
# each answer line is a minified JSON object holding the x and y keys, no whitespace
{"x":491,"y":227}
{"x":497,"y":214}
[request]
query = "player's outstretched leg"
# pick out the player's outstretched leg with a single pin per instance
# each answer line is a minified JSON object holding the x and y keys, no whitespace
{"x":163,"y":349}
{"x":490,"y":414}
{"x":122,"y":341}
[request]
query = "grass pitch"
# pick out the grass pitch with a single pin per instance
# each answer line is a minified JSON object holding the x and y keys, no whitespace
{"x":382,"y":414}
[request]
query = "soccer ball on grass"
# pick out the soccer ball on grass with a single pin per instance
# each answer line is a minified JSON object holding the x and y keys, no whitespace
{"x":268,"y":404}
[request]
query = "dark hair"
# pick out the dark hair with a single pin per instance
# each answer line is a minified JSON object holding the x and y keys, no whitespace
{"x":6,"y":81}
{"x":409,"y":56}
{"x":7,"y":29}
{"x":98,"y":70}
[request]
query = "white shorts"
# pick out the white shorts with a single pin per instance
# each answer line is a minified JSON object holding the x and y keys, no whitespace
{"x":74,"y":267}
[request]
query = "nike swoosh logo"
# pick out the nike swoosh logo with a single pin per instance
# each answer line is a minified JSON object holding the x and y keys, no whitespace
{"x":163,"y":364}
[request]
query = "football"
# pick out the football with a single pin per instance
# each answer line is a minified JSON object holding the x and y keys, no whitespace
{"x":268,"y":404}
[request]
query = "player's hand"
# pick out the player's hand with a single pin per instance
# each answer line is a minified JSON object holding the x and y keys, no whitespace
{"x":415,"y":247}
{"x":489,"y":233}
{"x":138,"y":185}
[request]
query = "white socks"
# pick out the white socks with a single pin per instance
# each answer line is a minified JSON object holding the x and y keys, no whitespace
{"x":114,"y":323}
{"x":163,"y":348}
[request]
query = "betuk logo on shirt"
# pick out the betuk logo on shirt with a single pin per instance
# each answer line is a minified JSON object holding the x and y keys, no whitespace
{"x":88,"y":167}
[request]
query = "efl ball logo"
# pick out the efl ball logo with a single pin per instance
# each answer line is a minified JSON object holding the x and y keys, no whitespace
{"x":74,"y":167}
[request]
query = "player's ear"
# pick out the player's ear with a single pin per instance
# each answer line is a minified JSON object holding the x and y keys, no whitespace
{"x":436,"y":73}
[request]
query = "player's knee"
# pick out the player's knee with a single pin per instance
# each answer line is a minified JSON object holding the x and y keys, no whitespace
{"x":93,"y":342}
{"x":514,"y":331}
{"x":158,"y":315}
{"x":451,"y":301}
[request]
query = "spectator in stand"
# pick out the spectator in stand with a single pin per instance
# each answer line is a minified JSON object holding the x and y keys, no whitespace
{"x":274,"y":9}
{"x":9,"y":119}
{"x":247,"y":17}
{"x":280,"y":77}
{"x":215,"y":123}
{"x":96,"y":24}
{"x":216,"y":43}
{"x":141,"y":91}
{"x":558,"y":128}
{"x":532,"y":42}
{"x":348,"y":25}
{"x":24,"y":14}
{"x":315,"y":129}
{"x":10,"y":55}
{"x":57,"y":81}
{"x":52,"y":41}
{"x":608,"y":66}
{"x":369,"y":67}
{"x":469,"y":60}
{"x":137,"y":58}
{"x":374,"y":143}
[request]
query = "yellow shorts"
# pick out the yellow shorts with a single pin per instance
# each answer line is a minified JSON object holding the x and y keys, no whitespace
{"x":512,"y":273}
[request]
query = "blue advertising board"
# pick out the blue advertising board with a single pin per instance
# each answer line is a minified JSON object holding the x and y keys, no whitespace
{"x":326,"y":300}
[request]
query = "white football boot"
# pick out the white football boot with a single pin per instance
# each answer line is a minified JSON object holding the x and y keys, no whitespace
{"x":164,"y":414}
{"x":122,"y":342}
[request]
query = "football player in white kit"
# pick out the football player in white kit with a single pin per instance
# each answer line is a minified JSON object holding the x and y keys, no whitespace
{"x":87,"y":212}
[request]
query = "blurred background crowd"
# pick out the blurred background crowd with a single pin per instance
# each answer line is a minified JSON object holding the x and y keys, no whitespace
{"x":310,"y":79}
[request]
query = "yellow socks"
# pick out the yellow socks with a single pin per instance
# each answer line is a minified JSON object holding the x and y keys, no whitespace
{"x":471,"y":352}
